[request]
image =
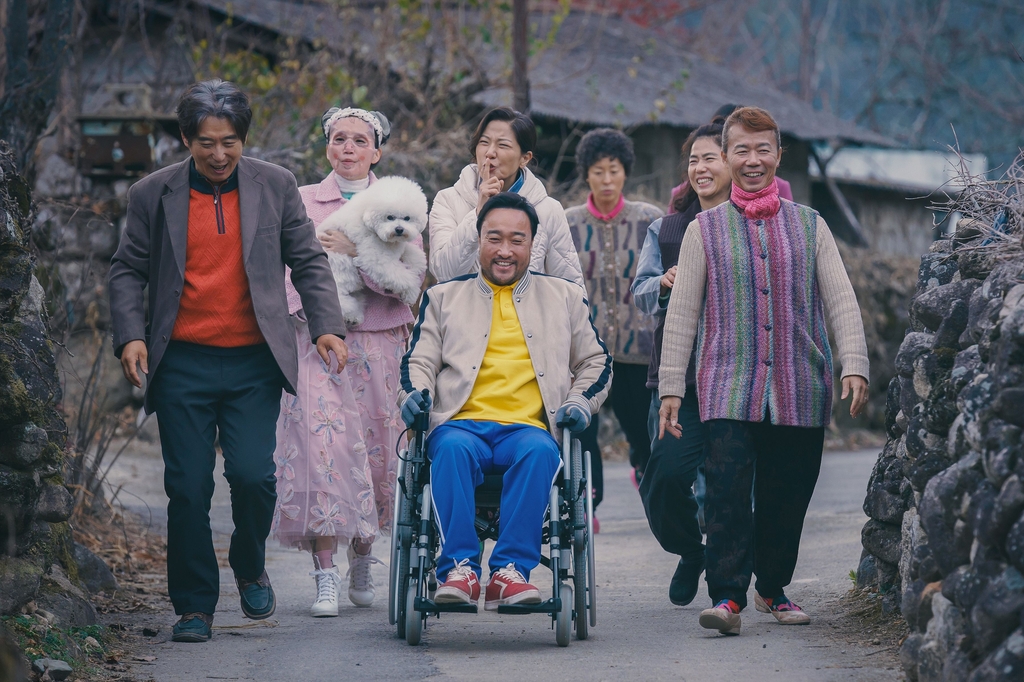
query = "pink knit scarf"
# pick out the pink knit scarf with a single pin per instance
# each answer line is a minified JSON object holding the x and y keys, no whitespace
{"x":758,"y":205}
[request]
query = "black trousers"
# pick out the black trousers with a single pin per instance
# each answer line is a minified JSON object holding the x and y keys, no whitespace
{"x":200,"y":392}
{"x":630,"y":400}
{"x":667,"y":486}
{"x":786,"y":460}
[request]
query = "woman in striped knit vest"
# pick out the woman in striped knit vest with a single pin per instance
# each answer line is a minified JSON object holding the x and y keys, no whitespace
{"x":756,"y":277}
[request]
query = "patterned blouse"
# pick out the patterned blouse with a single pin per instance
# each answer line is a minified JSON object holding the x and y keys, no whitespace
{"x":609,"y":251}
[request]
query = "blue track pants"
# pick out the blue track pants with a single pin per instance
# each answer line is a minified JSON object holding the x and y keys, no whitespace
{"x":461,"y":452}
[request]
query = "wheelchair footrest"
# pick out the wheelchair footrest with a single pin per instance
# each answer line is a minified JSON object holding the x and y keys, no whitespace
{"x":428,"y":606}
{"x":549,"y":606}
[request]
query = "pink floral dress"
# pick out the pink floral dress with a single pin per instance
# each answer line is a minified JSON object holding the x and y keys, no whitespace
{"x":337,"y":438}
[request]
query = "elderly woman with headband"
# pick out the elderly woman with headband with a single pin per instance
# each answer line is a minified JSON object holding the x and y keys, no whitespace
{"x":336,"y":438}
{"x":502,"y":147}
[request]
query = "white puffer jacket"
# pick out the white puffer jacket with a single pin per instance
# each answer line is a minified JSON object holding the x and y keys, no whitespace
{"x":454,"y":242}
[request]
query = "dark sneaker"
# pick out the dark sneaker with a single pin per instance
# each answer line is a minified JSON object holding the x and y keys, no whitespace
{"x":685,"y":581}
{"x":785,"y":611}
{"x":193,"y":627}
{"x":723,"y":616}
{"x":257,"y":597}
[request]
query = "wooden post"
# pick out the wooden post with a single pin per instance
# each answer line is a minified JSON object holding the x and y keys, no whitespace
{"x":520,"y":75}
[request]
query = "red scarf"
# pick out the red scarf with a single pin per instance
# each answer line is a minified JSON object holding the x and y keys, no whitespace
{"x":596,"y":212}
{"x":758,"y":205}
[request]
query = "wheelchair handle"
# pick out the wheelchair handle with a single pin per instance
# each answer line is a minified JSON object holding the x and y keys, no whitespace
{"x":422,"y":421}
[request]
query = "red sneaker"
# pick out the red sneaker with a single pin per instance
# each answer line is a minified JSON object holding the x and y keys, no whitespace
{"x":508,"y":586}
{"x":461,"y":586}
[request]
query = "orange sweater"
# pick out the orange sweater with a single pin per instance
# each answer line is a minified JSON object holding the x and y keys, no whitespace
{"x":216,"y":306}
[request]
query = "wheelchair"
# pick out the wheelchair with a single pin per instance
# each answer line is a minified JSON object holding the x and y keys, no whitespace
{"x":568,"y":533}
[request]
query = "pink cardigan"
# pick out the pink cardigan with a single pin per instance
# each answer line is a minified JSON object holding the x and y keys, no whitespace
{"x":383,"y":310}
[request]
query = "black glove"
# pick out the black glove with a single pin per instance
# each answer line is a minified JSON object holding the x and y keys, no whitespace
{"x":415,"y":405}
{"x":573,"y":417}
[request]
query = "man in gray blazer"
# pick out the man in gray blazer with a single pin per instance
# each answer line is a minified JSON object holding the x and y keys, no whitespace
{"x":211,"y":237}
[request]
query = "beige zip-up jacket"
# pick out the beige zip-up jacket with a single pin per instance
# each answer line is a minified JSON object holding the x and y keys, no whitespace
{"x":455,"y":243}
{"x":448,"y":343}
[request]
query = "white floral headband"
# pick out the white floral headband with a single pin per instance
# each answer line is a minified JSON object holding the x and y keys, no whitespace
{"x":379,"y":123}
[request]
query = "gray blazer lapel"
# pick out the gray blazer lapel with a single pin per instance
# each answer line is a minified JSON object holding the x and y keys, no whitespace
{"x":175,"y":205}
{"x":250,"y":196}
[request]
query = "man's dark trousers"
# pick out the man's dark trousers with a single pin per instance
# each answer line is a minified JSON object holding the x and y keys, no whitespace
{"x":200,"y":392}
{"x":781,"y":465}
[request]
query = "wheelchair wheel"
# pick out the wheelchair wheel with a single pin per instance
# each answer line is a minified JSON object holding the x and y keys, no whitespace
{"x":580,"y":564}
{"x":563,"y":619}
{"x":397,"y":533}
{"x":413,"y":619}
{"x":591,"y":559}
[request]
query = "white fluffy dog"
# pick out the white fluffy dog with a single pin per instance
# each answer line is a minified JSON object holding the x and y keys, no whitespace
{"x":382,"y":221}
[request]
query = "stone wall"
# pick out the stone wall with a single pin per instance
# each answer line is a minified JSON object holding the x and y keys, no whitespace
{"x":945,"y":539}
{"x":36,"y":550}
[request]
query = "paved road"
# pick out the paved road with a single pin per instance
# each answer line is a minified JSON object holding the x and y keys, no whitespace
{"x":640,"y":635}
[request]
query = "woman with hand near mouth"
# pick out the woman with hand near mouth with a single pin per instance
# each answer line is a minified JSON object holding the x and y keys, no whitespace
{"x":502,"y":147}
{"x":608,"y":232}
{"x":674,"y":511}
{"x":336,"y":438}
{"x":758,"y":274}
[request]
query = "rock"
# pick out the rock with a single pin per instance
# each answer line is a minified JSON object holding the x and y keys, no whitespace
{"x":60,"y":596}
{"x":947,"y":624}
{"x":55,"y":503}
{"x":914,"y":344}
{"x":933,"y":305}
{"x":929,"y":662}
{"x":976,"y":264}
{"x":926,"y":467}
{"x":892,"y":409}
{"x":57,"y":670}
{"x":13,"y":666}
{"x":911,"y":602}
{"x":936,"y":269}
{"x":1015,"y":544}
{"x":1005,"y":663}
{"x":997,"y":611}
{"x":909,"y":655}
{"x":938,"y":507}
{"x":911,"y":536}
{"x":20,"y":577}
{"x":1006,"y":510}
{"x":953,"y":325}
{"x":957,"y":667}
{"x":882,"y":540}
{"x":888,"y":577}
{"x":924,"y":605}
{"x":26,"y":449}
{"x":93,"y":572}
{"x":1009,"y":405}
{"x":867,"y":571}
{"x":966,"y":366}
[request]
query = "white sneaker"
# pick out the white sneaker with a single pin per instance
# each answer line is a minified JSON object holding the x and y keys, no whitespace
{"x":327,"y":581}
{"x":360,"y":582}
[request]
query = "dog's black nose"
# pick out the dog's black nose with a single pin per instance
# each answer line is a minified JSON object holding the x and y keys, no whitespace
{"x":399,"y":230}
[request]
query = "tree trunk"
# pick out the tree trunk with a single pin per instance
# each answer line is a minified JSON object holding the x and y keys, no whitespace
{"x":33,"y":78}
{"x":520,"y":76}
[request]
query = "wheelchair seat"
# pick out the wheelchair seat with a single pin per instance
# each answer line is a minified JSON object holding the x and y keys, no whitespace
{"x":488,"y":493}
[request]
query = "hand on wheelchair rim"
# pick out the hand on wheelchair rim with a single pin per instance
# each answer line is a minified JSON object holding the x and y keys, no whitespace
{"x":572,"y":417}
{"x":415,"y":405}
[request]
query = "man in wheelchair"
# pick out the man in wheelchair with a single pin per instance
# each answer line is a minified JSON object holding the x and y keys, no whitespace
{"x":511,"y":357}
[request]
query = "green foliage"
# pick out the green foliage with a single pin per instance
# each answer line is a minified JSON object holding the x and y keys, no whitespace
{"x":39,"y":639}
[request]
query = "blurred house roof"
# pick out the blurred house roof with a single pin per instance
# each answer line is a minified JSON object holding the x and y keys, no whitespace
{"x":601,"y":70}
{"x":907,"y":170}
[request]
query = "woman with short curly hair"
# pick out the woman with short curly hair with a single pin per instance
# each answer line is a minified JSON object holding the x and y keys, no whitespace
{"x":609,"y":232}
